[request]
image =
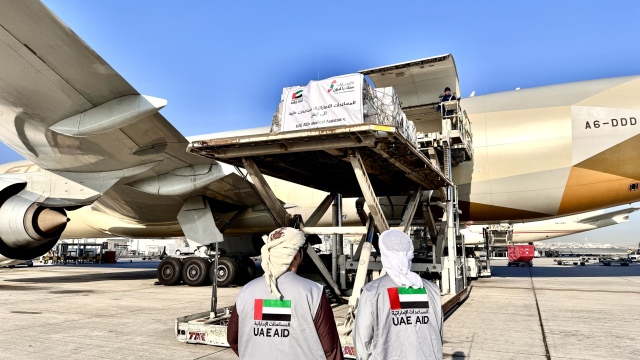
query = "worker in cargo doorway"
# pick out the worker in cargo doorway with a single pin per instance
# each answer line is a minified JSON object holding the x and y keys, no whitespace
{"x":447,"y":97}
{"x":399,"y":315}
{"x":282,"y":315}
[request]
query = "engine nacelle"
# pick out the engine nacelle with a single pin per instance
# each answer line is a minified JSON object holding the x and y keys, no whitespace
{"x":27,"y":229}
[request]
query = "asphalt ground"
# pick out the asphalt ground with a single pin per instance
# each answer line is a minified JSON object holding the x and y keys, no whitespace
{"x":549,"y":311}
{"x":116,"y":312}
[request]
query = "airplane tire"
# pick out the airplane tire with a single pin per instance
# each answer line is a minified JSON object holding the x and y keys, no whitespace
{"x":251,"y":269}
{"x":170,"y":272}
{"x":226,"y":272}
{"x":246,"y":270}
{"x":195,"y":271}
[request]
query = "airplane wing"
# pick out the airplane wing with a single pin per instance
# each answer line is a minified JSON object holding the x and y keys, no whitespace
{"x":593,"y":220}
{"x":65,"y":109}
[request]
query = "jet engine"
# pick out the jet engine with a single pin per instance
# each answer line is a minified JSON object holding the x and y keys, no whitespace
{"x":27,"y":229}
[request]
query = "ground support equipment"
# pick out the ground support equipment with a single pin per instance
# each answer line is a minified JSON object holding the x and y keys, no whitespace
{"x":384,"y":164}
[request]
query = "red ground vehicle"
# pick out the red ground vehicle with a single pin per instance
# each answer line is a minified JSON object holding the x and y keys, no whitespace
{"x":520,"y":255}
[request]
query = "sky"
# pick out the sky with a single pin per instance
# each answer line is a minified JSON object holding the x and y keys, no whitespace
{"x":222,"y":64}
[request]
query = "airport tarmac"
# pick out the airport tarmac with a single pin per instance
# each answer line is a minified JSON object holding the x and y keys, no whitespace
{"x":548,"y":311}
{"x":116,"y":312}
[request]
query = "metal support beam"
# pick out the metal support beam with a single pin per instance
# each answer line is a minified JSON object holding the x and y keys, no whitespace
{"x":273,"y":205}
{"x":433,"y":156}
{"x":336,"y":243}
{"x":367,"y":190}
{"x":362,"y":215}
{"x":361,"y":273}
{"x":282,"y":218}
{"x":214,"y":287}
{"x":334,"y":239}
{"x":319,"y":212}
{"x":464,"y":263}
{"x":340,"y":237}
{"x":451,"y":206}
{"x":324,"y":273}
{"x":232,"y":220}
{"x":487,"y":248}
{"x":412,"y":206}
{"x":340,"y":230}
{"x":429,"y":222}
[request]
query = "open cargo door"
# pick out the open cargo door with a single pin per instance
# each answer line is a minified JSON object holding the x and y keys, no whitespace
{"x":419,"y":85}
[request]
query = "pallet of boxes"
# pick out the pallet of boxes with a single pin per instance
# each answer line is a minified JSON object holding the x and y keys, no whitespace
{"x":340,"y":101}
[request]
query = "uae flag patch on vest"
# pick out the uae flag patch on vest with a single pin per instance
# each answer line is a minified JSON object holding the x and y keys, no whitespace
{"x":408,"y":298}
{"x":272,"y":310}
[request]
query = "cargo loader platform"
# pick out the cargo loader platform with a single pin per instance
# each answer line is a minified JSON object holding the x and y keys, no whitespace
{"x":318,"y":158}
{"x":385,"y":163}
{"x":378,"y":153}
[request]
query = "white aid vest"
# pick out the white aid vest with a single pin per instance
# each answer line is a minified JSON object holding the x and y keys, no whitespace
{"x":402,"y":323}
{"x":279,"y":329}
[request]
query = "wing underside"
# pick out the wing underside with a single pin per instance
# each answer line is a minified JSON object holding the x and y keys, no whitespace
{"x":607,"y":216}
{"x":49,"y":76}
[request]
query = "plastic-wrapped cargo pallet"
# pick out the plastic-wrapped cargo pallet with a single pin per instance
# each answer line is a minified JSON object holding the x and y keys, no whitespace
{"x":337,"y":101}
{"x":276,"y":119}
{"x":387,"y":106}
{"x":411,"y":133}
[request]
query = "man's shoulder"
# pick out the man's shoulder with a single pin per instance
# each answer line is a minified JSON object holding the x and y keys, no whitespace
{"x":432,"y":289}
{"x":429,"y":285}
{"x":386,"y":282}
{"x":299,"y":281}
{"x":252,"y":285}
{"x":382,"y":282}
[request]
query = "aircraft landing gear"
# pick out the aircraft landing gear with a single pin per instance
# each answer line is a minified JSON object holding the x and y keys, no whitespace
{"x":198,"y":271}
{"x":170,"y":271}
{"x":195,"y":271}
{"x":226,"y":272}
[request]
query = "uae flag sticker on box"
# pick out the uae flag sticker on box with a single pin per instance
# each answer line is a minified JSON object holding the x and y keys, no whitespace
{"x":272,"y":310}
{"x":408,"y":298}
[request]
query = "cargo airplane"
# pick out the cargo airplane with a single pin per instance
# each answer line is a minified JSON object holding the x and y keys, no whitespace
{"x":102,"y":161}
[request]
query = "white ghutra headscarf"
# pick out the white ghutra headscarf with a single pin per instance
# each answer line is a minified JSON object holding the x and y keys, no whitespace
{"x":277,"y":253}
{"x":396,"y":250}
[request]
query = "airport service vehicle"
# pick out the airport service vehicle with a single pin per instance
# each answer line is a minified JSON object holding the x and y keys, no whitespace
{"x":580,"y":261}
{"x":520,"y":255}
{"x":612,"y":260}
{"x":605,"y":260}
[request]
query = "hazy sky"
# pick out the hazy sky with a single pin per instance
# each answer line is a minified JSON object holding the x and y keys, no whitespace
{"x":222,"y":64}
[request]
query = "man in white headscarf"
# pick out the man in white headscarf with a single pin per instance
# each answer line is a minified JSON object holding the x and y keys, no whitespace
{"x":282,"y":315}
{"x":399,"y":315}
